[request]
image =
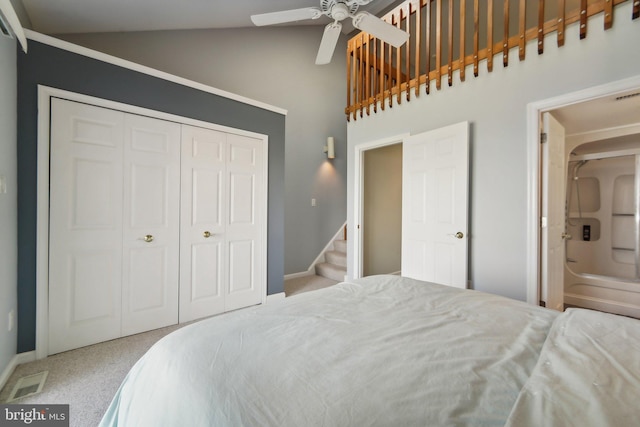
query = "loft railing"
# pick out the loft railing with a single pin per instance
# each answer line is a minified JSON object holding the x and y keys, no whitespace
{"x":450,"y":35}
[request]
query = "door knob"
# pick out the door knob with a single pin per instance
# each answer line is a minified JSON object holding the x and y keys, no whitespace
{"x":206,"y":234}
{"x":459,"y":235}
{"x":148,"y":238}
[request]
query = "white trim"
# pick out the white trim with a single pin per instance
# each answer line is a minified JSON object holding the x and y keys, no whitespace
{"x":90,"y":53}
{"x":534,"y":111}
{"x":16,"y":360}
{"x":358,"y":168}
{"x":45,"y":94}
{"x":275,"y":297}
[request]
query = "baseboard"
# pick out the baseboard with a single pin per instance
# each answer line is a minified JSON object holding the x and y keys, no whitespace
{"x":275,"y":297}
{"x":18,"y":359}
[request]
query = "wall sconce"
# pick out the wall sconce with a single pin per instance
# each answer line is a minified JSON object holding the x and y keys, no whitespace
{"x":330,"y":148}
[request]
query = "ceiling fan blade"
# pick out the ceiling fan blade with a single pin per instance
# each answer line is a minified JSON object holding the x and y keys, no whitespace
{"x":286,"y":16}
{"x":378,"y":28}
{"x":328,"y":43}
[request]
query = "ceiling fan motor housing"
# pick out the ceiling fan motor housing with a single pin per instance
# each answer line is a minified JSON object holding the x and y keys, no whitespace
{"x":338,"y":9}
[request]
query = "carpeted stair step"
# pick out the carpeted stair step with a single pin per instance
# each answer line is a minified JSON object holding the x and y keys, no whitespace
{"x":340,"y":245}
{"x":336,"y":257}
{"x":331,"y":271}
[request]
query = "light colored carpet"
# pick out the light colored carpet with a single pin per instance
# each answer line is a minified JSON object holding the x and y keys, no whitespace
{"x":305,"y":284}
{"x":86,"y":378}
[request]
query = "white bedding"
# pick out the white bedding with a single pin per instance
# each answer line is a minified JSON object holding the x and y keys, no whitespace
{"x":588,"y":374}
{"x":378,"y":351}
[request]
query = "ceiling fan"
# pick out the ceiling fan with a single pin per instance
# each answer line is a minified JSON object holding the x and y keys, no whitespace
{"x":337,"y":10}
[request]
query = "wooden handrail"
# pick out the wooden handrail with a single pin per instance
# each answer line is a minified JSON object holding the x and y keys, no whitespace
{"x":378,"y":74}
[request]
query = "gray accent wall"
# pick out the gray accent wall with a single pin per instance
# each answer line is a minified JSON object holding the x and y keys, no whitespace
{"x":273,"y":65}
{"x":8,"y":200}
{"x":50,"y":66}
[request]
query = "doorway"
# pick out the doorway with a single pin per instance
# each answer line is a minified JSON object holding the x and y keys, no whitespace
{"x":604,"y":116}
{"x":382,"y":210}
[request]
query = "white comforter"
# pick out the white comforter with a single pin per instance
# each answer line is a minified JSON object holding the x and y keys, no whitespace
{"x":588,"y":374}
{"x":381,"y":351}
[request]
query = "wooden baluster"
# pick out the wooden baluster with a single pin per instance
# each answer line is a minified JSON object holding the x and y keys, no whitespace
{"x":522,"y":30}
{"x":583,"y":19}
{"x":427,"y":19}
{"x":397,"y":18}
{"x":540,"y":27}
{"x":490,"y":35}
{"x":450,"y":45}
{"x":367,"y":81}
{"x":476,"y":36}
{"x":389,"y":75}
{"x":361,"y":85}
{"x":561,"y":22}
{"x":349,"y":71}
{"x":463,"y":14}
{"x":608,"y":14}
{"x":405,"y":15}
{"x":415,"y":8}
{"x":382,"y":76}
{"x":505,"y":40}
{"x":438,"y":43}
{"x":374,"y":82}
{"x":636,"y":9}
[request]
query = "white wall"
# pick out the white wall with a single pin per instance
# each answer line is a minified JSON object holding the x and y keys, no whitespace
{"x":8,"y":200}
{"x":495,"y":104}
{"x":273,"y":65}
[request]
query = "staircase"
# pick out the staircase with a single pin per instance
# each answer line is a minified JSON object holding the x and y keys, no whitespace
{"x":335,"y":265}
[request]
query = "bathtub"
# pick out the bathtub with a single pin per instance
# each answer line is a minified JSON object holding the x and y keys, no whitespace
{"x":601,"y":268}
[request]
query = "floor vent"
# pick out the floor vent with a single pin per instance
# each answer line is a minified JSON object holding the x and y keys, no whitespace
{"x":29,"y":385}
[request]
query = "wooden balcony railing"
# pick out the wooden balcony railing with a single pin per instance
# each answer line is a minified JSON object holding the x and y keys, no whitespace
{"x":450,"y":35}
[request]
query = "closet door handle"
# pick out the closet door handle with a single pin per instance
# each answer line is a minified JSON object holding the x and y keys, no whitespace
{"x":207,"y":234}
{"x":148,"y":238}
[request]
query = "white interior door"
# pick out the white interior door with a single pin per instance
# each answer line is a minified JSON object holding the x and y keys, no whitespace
{"x":151,"y":226}
{"x":553,"y":214}
{"x":85,"y":239}
{"x":435,"y":205}
{"x":244,"y":239}
{"x":202,"y":254}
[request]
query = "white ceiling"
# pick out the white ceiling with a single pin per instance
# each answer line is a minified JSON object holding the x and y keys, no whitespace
{"x":601,"y":113}
{"x":92,"y":16}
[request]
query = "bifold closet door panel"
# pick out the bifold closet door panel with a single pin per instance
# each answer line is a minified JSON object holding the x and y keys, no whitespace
{"x":85,"y":227}
{"x":151,"y":225}
{"x":247,"y":192}
{"x":203,"y":218}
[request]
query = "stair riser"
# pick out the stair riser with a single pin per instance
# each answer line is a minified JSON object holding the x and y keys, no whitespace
{"x":340,"y":245}
{"x":331,"y":272}
{"x":337,"y":258}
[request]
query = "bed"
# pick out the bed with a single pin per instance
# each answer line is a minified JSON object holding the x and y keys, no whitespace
{"x":389,"y":351}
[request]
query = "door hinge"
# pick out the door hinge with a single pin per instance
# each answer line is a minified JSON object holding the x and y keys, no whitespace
{"x":543,"y":137}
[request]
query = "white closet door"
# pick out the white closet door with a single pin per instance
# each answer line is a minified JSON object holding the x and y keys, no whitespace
{"x":202,"y":255}
{"x":85,"y":262}
{"x":246,"y":186}
{"x":151,"y":224}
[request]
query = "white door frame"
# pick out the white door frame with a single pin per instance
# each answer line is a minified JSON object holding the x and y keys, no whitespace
{"x":45,"y":93}
{"x":358,"y":212}
{"x":534,"y":123}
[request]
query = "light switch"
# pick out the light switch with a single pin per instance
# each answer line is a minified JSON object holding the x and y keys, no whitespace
{"x":3,"y":184}
{"x":313,"y":202}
